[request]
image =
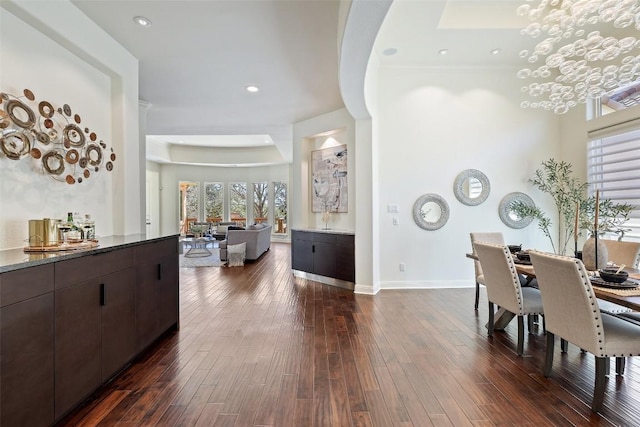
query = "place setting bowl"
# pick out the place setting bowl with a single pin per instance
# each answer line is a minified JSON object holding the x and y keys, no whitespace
{"x":523,"y":257}
{"x":613,"y":278}
{"x":613,"y":275}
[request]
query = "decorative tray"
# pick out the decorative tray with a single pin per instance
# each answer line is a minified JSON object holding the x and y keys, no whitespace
{"x":627,"y":284}
{"x":63,"y":247}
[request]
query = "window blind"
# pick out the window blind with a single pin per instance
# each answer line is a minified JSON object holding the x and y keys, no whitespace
{"x":613,"y":163}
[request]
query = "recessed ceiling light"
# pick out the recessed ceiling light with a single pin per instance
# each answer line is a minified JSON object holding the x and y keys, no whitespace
{"x":142,"y":21}
{"x":443,"y":51}
{"x":252,"y":88}
{"x":390,"y":51}
{"x":496,"y":51}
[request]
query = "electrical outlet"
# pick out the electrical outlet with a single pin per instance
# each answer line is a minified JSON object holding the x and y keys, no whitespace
{"x":396,"y":221}
{"x":392,"y":208}
{"x":402,"y":266}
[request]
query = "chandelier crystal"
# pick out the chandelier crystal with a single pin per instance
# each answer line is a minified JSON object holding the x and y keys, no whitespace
{"x":587,"y":48}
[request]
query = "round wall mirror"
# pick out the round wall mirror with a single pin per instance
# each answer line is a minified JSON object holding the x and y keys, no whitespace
{"x":471,"y":187}
{"x":508,"y":216}
{"x":430,"y":211}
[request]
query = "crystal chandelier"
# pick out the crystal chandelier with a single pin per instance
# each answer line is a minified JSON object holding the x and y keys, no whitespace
{"x":587,"y":48}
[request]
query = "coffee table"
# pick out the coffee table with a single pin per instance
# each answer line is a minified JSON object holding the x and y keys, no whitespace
{"x":198,"y":246}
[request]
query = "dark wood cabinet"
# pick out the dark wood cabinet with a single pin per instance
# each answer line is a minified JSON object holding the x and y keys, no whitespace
{"x":326,"y":254}
{"x":27,"y":347}
{"x":156,"y":292}
{"x":70,"y":325}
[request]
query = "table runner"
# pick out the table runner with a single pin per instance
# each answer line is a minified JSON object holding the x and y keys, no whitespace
{"x":621,"y":292}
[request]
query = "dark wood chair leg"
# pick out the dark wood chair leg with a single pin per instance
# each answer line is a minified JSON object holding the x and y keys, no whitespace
{"x":531,"y":320}
{"x":491,"y":321}
{"x":598,"y":390}
{"x":564,"y":345}
{"x":520,"y":335}
{"x":477,"y":295}
{"x":548,"y":361}
{"x":620,"y":364}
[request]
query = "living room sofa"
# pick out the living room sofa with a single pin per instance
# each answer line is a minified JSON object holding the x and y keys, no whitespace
{"x":257,"y":237}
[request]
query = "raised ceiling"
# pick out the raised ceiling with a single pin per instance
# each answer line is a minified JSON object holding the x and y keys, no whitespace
{"x":197,"y":57}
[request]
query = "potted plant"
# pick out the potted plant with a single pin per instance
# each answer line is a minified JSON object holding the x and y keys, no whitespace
{"x":557,"y":180}
{"x":568,"y":193}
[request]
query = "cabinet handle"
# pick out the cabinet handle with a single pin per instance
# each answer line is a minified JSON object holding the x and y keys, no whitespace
{"x":313,"y":248}
{"x":159,"y":271}
{"x":103,"y":300}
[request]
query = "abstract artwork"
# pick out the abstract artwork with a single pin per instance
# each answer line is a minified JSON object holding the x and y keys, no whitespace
{"x":329,"y":175}
{"x":52,"y":137}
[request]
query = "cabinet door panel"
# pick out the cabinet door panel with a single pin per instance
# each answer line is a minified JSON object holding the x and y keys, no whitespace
{"x":168,"y":293}
{"x":27,"y":362}
{"x":146,"y":303}
{"x":324,"y":259}
{"x":78,"y":344}
{"x":345,"y":263}
{"x":88,"y":267}
{"x":20,"y":285}
{"x":118,"y":321}
{"x":302,"y":255}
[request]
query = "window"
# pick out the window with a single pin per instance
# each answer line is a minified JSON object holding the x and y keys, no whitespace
{"x":614,"y":168}
{"x":238,"y":202}
{"x":189,"y":204}
{"x":280,"y":206}
{"x":260,"y":202}
{"x":213,"y":201}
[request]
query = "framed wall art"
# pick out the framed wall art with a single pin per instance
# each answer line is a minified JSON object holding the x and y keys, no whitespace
{"x":329,"y":179}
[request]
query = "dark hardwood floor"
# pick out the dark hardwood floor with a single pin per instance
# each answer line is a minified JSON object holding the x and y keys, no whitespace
{"x":258,"y":347}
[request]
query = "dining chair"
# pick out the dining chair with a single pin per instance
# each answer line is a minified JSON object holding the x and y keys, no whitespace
{"x":627,"y":253}
{"x":504,"y":288}
{"x":487,"y":237}
{"x":571,"y":311}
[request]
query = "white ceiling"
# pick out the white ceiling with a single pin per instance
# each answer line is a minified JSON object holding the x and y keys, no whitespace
{"x":198,"y":56}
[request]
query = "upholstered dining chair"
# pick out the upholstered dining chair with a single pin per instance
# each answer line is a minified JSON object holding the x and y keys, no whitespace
{"x":571,"y":311}
{"x":504,"y":288}
{"x":627,"y":253}
{"x":487,"y":237}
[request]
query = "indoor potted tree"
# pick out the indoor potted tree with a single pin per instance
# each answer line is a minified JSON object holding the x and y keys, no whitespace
{"x":556,"y":179}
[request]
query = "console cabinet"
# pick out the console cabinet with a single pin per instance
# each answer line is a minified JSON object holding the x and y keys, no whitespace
{"x":69,"y":326}
{"x":323,"y":253}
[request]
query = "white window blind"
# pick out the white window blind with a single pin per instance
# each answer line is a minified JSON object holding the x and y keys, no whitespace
{"x":613,"y":161}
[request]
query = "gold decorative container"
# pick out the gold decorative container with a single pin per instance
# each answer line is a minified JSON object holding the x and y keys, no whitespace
{"x":51,"y":232}
{"x":36,"y":232}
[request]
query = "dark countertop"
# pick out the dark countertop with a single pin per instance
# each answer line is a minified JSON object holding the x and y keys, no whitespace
{"x":15,"y":259}
{"x":324,"y":230}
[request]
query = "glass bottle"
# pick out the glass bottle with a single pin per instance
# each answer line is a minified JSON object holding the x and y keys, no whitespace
{"x":89,"y":228}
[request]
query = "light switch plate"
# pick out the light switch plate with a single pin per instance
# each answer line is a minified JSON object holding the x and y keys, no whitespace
{"x":392,"y":208}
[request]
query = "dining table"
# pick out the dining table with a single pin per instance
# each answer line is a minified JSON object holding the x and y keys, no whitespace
{"x":629,"y":298}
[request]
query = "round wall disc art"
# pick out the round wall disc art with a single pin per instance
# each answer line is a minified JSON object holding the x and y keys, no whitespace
{"x":51,"y":137}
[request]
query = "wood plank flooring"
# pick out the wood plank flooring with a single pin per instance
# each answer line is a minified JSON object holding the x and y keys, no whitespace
{"x":258,"y":347}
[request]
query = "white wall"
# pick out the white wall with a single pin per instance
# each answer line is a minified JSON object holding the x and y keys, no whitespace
{"x":432,"y":124}
{"x":172,"y":174}
{"x":306,"y":139}
{"x":52,"y":49}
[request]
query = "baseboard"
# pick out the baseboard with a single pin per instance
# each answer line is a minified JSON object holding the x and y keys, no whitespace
{"x":427,"y":284}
